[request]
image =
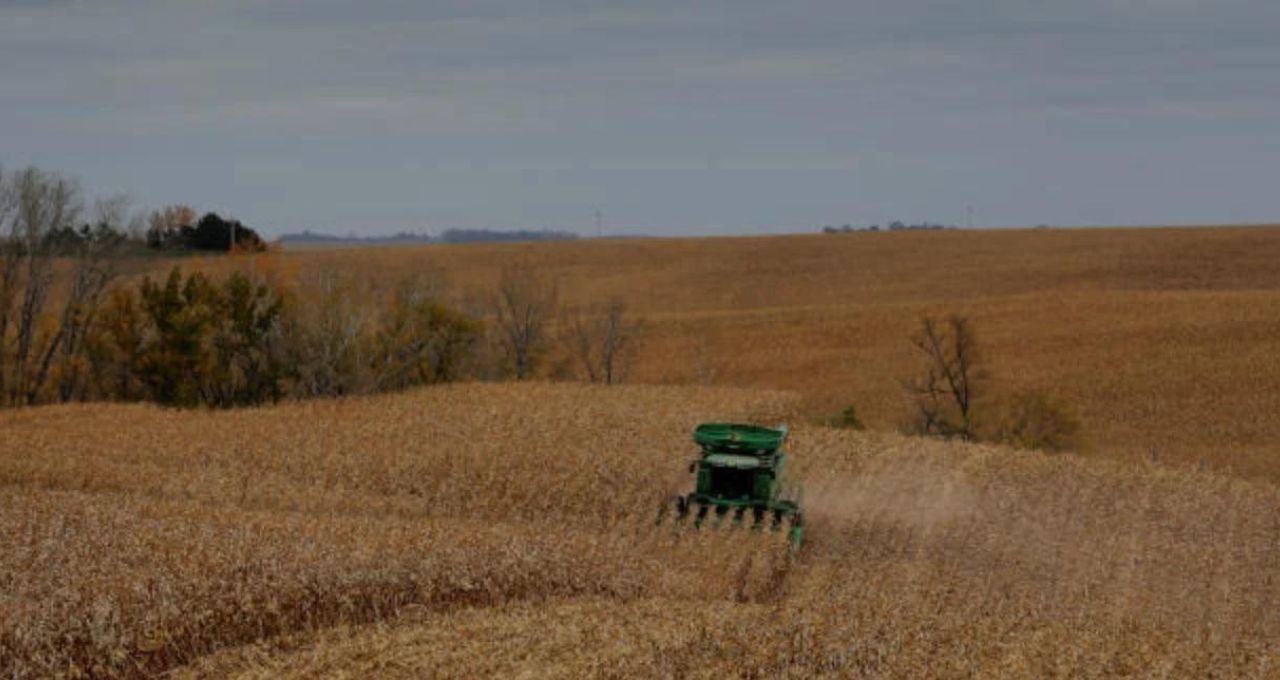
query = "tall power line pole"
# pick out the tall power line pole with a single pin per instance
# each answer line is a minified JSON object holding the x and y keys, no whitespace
{"x":599,"y":224}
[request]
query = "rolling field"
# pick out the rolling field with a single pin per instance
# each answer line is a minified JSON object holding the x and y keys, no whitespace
{"x":470,"y":530}
{"x":1166,"y":341}
{"x":481,"y":529}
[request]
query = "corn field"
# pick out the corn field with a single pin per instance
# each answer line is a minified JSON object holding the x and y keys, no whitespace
{"x":472,"y":530}
{"x":1165,"y":341}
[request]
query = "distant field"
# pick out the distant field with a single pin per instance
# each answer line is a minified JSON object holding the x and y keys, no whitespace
{"x":1167,"y":341}
{"x":478,"y":530}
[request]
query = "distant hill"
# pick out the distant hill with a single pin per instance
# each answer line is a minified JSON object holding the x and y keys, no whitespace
{"x":311,"y":238}
{"x":488,"y":235}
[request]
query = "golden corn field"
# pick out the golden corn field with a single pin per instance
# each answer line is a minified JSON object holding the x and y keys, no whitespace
{"x":507,"y":529}
{"x":1166,"y":341}
{"x":474,"y":530}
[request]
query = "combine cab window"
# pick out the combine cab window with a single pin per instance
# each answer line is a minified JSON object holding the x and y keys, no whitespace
{"x":732,"y":483}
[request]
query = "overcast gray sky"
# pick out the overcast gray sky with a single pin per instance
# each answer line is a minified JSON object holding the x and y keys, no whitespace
{"x":669,"y":117}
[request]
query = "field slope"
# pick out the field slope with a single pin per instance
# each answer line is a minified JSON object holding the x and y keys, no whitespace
{"x":1167,"y":341}
{"x":470,"y":530}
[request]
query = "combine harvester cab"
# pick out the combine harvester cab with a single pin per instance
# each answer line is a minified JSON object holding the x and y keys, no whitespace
{"x":740,"y":476}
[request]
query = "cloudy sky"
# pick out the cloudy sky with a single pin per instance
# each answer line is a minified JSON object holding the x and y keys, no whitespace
{"x":669,"y":117}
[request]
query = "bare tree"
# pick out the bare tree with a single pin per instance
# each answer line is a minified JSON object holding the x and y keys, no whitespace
{"x":326,"y":339}
{"x":40,"y":240}
{"x":952,"y":380}
{"x":44,"y":204}
{"x":164,"y":227}
{"x":95,"y":258}
{"x":11,"y":254}
{"x":604,"y":340}
{"x":523,"y":310}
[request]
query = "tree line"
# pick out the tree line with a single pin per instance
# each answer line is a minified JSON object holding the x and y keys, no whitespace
{"x":73,"y":327}
{"x":176,"y":228}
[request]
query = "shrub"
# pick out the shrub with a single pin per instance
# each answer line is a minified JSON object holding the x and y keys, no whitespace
{"x":847,"y":419}
{"x":1037,"y":420}
{"x":421,"y":341}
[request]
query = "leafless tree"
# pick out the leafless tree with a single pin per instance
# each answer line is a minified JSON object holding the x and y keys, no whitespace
{"x":11,"y":254}
{"x":952,"y":379}
{"x":95,"y":260}
{"x":43,"y":204}
{"x":42,"y":243}
{"x":351,"y":335}
{"x":604,"y":340}
{"x":165,"y":225}
{"x":523,"y":311}
{"x":326,"y":340}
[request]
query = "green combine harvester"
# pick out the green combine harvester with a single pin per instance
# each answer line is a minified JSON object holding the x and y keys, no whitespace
{"x":740,"y":476}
